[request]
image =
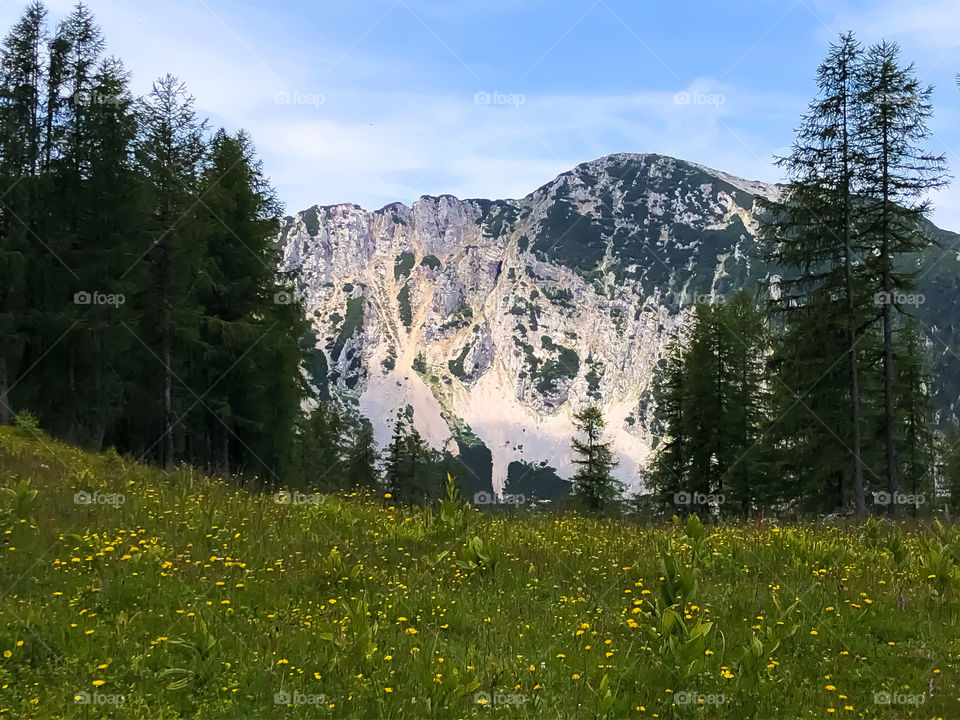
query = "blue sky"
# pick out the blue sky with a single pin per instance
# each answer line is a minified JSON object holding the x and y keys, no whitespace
{"x":373,"y":101}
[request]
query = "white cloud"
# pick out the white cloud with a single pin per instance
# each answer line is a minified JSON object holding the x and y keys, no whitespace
{"x":926,"y":25}
{"x":384,"y":132}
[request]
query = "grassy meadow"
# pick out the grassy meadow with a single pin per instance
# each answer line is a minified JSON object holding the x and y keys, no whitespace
{"x":129,"y":592}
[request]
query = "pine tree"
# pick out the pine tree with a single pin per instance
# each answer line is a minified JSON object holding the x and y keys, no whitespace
{"x":363,"y":458}
{"x":249,"y":318}
{"x":322,"y":450}
{"x":396,"y":461}
{"x":712,"y":408}
{"x":897,"y":174}
{"x":170,"y":151}
{"x":594,"y":482}
{"x":747,"y":412}
{"x":412,"y":470}
{"x":669,"y":467}
{"x":111,"y":208}
{"x":915,"y":409}
{"x":812,"y":237}
{"x":22,"y":78}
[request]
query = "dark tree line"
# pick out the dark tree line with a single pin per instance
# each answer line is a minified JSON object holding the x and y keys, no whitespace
{"x":138,"y":265}
{"x":820,"y":400}
{"x":141,"y":306}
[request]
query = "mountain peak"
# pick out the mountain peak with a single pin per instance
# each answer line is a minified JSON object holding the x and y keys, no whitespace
{"x":495,"y":321}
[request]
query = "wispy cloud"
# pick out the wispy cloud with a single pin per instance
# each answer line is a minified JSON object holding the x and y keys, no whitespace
{"x":375,"y":103}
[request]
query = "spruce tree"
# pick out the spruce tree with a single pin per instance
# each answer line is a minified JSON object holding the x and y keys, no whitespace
{"x":812,"y":236}
{"x":893,"y":183}
{"x":170,"y":150}
{"x":322,"y":450}
{"x":412,"y":470}
{"x":249,"y":318}
{"x":712,"y":408}
{"x":396,"y":462}
{"x":363,"y":457}
{"x":669,"y":467}
{"x":746,"y":416}
{"x":22,"y":77}
{"x":594,"y":482}
{"x":915,"y":410}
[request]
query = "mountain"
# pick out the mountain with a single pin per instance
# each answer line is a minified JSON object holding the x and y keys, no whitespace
{"x":496,"y":320}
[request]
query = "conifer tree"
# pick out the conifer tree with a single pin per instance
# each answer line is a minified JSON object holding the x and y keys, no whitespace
{"x":713,"y":409}
{"x":396,"y":460}
{"x":249,"y":317}
{"x":322,"y":449}
{"x":893,"y":183}
{"x":170,"y":150}
{"x":812,"y":236}
{"x":915,"y":410}
{"x":21,"y":87}
{"x":363,"y":457}
{"x":669,"y":467}
{"x":412,"y":470}
{"x":594,"y":482}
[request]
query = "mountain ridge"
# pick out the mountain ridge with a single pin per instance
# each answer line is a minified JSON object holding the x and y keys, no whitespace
{"x":496,"y":320}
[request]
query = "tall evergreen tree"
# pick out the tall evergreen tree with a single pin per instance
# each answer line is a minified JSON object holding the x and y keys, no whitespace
{"x":322,"y":450}
{"x":363,"y":457}
{"x":22,"y":78}
{"x":594,"y":482}
{"x":669,"y":467}
{"x":170,"y":151}
{"x":896,"y":176}
{"x":812,"y":237}
{"x":249,"y":318}
{"x":412,"y":470}
{"x":713,"y":409}
{"x":916,"y":443}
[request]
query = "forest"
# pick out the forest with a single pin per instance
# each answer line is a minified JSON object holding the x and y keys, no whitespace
{"x":142,"y":309}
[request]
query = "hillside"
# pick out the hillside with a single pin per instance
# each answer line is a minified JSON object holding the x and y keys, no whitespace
{"x":134,"y":593}
{"x":497,"y":320}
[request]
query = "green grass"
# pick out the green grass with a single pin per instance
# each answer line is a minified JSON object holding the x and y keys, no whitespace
{"x":196,"y":598}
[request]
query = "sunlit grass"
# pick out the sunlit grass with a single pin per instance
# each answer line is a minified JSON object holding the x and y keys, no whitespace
{"x":189,"y":597}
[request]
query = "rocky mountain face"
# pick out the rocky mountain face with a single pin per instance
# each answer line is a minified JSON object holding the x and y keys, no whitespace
{"x":496,"y":321}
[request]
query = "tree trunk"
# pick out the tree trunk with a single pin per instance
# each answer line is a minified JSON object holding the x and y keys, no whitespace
{"x":859,"y":494}
{"x":166,"y":445}
{"x":6,"y":413}
{"x":888,"y":370}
